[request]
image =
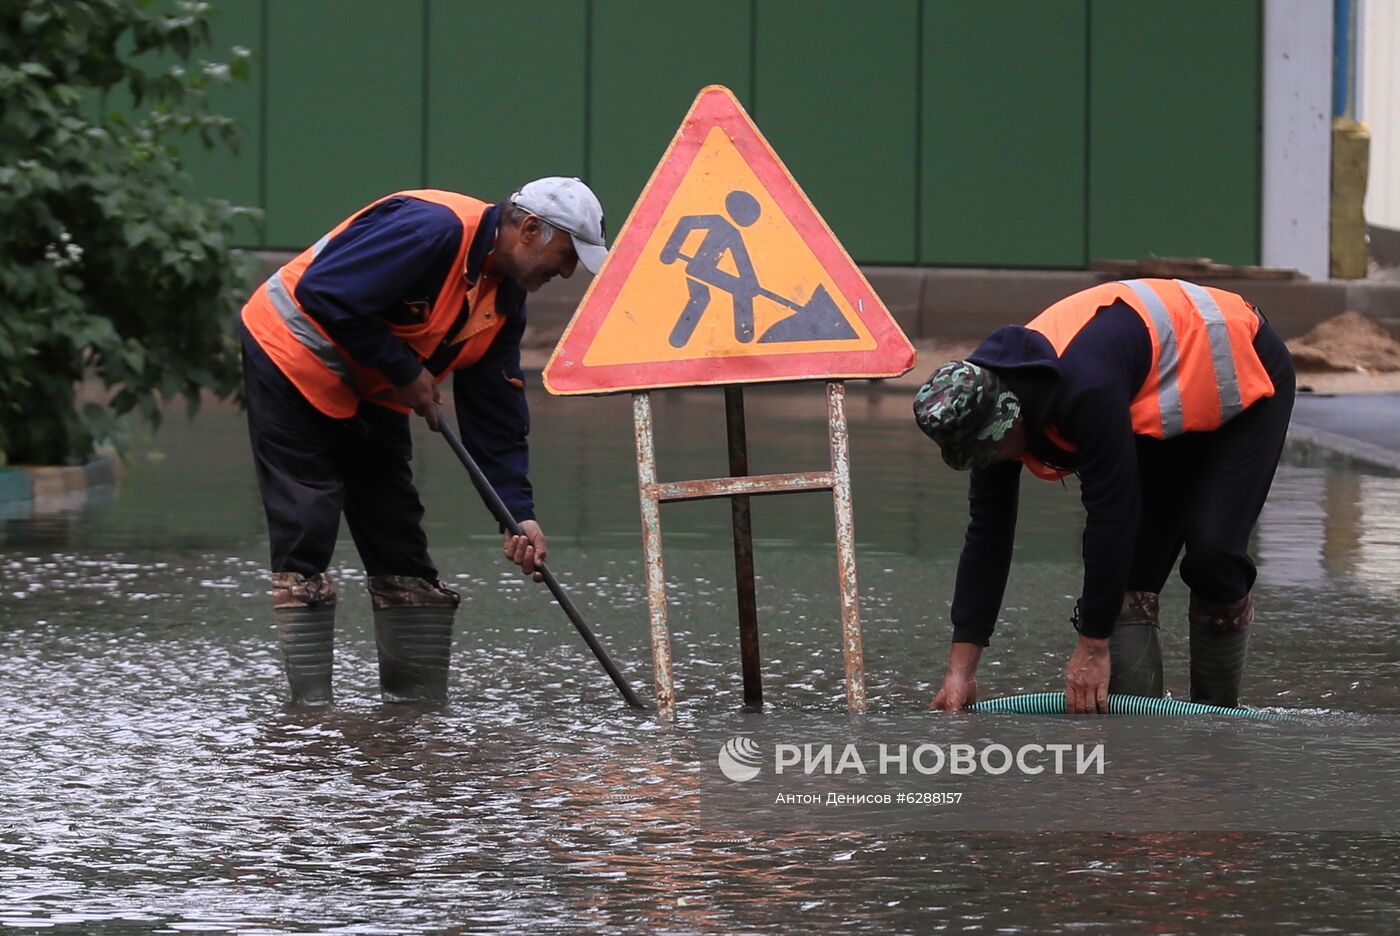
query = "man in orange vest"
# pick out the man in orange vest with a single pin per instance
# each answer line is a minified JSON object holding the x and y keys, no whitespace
{"x":340,"y":346}
{"x":1170,"y":401}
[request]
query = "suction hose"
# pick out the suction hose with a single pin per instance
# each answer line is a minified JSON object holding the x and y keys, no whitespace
{"x":1053,"y":703}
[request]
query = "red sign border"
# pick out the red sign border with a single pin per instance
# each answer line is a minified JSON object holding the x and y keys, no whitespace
{"x":716,"y":106}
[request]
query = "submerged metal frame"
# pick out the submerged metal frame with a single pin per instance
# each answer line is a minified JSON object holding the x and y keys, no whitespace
{"x":739,"y":487}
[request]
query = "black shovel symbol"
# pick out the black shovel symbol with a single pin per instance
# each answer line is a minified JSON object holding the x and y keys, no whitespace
{"x":817,"y":319}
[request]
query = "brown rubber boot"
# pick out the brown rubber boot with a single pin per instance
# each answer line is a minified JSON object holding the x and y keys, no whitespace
{"x":304,"y":608}
{"x":1135,"y":649}
{"x":413,"y":633}
{"x":1219,"y":645}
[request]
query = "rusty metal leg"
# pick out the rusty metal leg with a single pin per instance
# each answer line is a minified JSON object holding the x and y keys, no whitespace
{"x":846,"y":546}
{"x":743,"y":548}
{"x":651,"y":547}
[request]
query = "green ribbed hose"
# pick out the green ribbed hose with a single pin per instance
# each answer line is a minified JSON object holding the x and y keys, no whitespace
{"x":1053,"y":703}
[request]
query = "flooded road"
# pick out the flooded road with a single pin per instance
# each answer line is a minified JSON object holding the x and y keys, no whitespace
{"x":154,"y":781}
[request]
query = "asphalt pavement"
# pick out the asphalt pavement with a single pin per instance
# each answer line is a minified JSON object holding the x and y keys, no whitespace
{"x":1357,"y":429}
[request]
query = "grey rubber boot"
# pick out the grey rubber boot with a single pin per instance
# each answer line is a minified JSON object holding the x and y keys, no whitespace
{"x":1135,"y":649}
{"x":1219,"y":646}
{"x":413,"y":632}
{"x":304,"y":608}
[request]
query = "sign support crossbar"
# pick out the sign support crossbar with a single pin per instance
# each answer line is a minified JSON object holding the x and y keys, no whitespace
{"x":739,"y":488}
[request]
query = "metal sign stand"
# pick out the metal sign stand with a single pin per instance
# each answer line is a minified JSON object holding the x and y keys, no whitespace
{"x":739,"y":487}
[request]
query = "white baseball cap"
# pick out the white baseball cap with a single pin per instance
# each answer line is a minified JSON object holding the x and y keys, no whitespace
{"x":572,"y":207}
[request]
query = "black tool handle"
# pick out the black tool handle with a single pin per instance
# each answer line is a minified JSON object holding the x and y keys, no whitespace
{"x":503,"y":516}
{"x":781,"y":300}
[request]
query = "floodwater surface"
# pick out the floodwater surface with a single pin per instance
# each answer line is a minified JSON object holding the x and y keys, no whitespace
{"x":154,"y":780}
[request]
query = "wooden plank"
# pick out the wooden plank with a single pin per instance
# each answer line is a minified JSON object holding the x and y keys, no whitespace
{"x":1169,"y":267}
{"x":750,"y":485}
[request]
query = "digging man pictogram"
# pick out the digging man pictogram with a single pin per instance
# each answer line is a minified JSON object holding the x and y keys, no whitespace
{"x":817,"y":320}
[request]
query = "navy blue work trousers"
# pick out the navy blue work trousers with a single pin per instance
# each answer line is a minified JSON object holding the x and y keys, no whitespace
{"x":312,"y":468}
{"x":1203,"y":491}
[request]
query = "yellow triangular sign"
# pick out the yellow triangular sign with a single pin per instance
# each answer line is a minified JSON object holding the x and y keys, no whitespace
{"x":724,"y":273}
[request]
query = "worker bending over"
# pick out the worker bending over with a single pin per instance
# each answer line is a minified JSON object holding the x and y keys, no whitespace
{"x":1170,"y":401}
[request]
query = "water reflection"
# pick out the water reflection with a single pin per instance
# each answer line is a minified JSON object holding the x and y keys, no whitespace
{"x":1325,"y":526}
{"x":154,"y":781}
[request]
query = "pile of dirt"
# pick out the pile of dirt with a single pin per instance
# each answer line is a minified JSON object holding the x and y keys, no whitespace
{"x":1351,"y":342}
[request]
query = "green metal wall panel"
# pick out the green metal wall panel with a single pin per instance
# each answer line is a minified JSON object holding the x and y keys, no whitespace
{"x":1003,"y":133}
{"x":648,"y":61}
{"x":506,"y":99}
{"x":835,"y":88}
{"x":235,"y":176}
{"x":344,"y":112}
{"x":1174,"y":147}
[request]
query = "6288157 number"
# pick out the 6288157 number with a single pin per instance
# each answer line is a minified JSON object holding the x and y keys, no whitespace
{"x":940,"y":798}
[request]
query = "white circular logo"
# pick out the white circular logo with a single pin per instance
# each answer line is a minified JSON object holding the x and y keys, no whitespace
{"x":740,"y":759}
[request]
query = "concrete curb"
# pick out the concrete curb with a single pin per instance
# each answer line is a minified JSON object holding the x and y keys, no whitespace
{"x":1305,"y":445}
{"x":37,"y":489}
{"x":1316,"y":447}
{"x":967,"y":304}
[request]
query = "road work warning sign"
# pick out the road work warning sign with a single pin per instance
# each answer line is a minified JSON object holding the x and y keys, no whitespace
{"x":724,"y":273}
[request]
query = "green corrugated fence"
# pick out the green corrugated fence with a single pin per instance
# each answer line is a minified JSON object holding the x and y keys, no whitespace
{"x":1018,"y":133}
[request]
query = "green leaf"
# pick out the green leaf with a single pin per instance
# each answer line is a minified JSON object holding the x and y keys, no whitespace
{"x":134,"y":356}
{"x":240,"y":69}
{"x":107,"y":265}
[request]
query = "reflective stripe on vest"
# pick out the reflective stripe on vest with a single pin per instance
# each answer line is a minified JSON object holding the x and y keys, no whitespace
{"x":1227,"y":382}
{"x":1204,"y":370}
{"x":1168,"y":391}
{"x":325,"y":374}
{"x":301,"y":328}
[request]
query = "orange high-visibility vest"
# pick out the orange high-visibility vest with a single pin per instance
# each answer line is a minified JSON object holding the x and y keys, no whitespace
{"x":1204,"y":371}
{"x":324,"y":372}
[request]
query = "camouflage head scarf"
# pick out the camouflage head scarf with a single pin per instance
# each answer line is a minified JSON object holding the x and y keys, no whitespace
{"x":968,"y":410}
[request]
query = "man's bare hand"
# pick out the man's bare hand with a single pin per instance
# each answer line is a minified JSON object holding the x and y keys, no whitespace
{"x":957,"y":693}
{"x":423,"y":396}
{"x":528,"y":551}
{"x":960,"y":683}
{"x":1086,"y":678}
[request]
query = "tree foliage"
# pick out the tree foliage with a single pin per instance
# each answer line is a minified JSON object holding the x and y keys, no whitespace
{"x":110,"y":268}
